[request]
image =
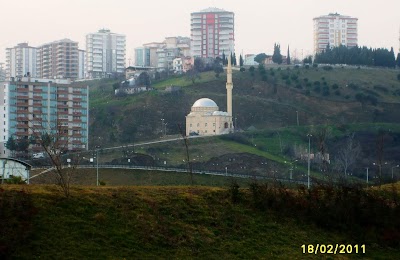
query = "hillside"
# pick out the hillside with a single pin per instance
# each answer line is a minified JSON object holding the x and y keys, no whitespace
{"x":177,"y":223}
{"x":274,"y":110}
{"x":268,"y":99}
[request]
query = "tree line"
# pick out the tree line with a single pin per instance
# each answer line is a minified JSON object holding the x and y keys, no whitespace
{"x":358,"y":56}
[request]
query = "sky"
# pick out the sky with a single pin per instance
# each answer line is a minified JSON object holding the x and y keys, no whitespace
{"x":258,"y":23}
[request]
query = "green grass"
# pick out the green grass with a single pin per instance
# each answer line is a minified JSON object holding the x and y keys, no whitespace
{"x":167,"y":222}
{"x":183,"y":81}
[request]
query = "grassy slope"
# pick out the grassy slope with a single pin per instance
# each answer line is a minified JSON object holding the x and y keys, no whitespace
{"x":166,"y":222}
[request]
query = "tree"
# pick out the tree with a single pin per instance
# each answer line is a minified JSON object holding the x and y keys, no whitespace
{"x":260,"y":58}
{"x":143,"y":79}
{"x":218,"y":69}
{"x":198,"y":64}
{"x":192,"y":75}
{"x":288,"y":56}
{"x":277,"y":56}
{"x":234,"y":63}
{"x":348,"y":153}
{"x":398,"y":60}
{"x":54,"y":140}
{"x":11,"y":144}
{"x":241,"y":62}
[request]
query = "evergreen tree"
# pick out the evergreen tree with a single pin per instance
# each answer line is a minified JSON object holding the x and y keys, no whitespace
{"x":241,"y":62}
{"x":234,"y":63}
{"x":223,"y":58}
{"x":288,"y":56}
{"x":277,"y":56}
{"x":398,"y":60}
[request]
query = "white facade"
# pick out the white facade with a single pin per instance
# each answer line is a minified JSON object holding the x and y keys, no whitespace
{"x":205,"y":119}
{"x":335,"y":30}
{"x":212,"y":33}
{"x":20,"y":60}
{"x":81,"y":64}
{"x":14,"y":168}
{"x":105,"y":54}
{"x":249,"y":60}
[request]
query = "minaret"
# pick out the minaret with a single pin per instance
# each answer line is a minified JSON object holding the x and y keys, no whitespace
{"x":229,"y":86}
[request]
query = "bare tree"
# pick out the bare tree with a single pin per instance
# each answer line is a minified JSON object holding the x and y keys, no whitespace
{"x":54,"y":140}
{"x":348,"y":153}
{"x":322,"y":133}
{"x":186,"y":142}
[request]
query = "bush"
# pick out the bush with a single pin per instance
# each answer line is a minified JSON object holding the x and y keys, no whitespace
{"x":234,"y":191}
{"x":307,"y":92}
{"x":285,"y":76}
{"x":264,"y":78}
{"x":325,"y":91}
{"x":242,"y":69}
{"x":335,"y":86}
{"x":307,"y":66}
{"x":15,"y":180}
{"x":299,"y":86}
{"x":327,"y":68}
{"x":398,"y":76}
{"x":337,"y":92}
{"x":317,"y":89}
{"x":288,"y":82}
{"x":315,"y":65}
{"x":353,"y":86}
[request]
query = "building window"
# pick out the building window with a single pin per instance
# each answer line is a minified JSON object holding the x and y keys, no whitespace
{"x":198,"y":124}
{"x":190,"y":125}
{"x":205,"y":124}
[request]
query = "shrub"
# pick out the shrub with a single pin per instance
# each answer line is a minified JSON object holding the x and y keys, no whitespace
{"x":288,"y":82}
{"x":307,"y":66}
{"x":294,"y":77}
{"x":315,"y":65}
{"x":305,"y":80}
{"x":307,"y":92}
{"x":264,"y":78}
{"x":242,"y":69}
{"x":317,"y":89}
{"x":299,"y":86}
{"x":317,"y":83}
{"x":353,"y":86}
{"x":325,"y":91}
{"x":285,"y":76}
{"x":380,"y":88}
{"x":335,"y":86}
{"x":234,"y":191}
{"x":337,"y":92}
{"x":398,"y":76}
{"x":327,"y":68}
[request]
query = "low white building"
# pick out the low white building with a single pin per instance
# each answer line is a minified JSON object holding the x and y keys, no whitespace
{"x":14,"y":168}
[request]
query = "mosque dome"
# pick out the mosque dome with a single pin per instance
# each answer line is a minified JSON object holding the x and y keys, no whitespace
{"x":205,"y":102}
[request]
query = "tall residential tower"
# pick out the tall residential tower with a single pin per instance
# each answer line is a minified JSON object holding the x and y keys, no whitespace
{"x":335,"y":30}
{"x":105,"y":54}
{"x":58,"y":59}
{"x":20,"y":60}
{"x":212,"y":33}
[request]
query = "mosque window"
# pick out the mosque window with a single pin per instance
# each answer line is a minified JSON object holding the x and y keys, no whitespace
{"x":198,"y":124}
{"x":205,"y":124}
{"x":214,"y":125}
{"x":190,"y":125}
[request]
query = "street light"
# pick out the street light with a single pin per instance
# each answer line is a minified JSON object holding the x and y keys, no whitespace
{"x":397,"y":166}
{"x":97,"y":167}
{"x":162,"y":126}
{"x":367,"y":175}
{"x":308,"y":172}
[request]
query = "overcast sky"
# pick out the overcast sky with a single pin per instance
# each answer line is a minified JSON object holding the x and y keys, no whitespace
{"x":258,"y":23}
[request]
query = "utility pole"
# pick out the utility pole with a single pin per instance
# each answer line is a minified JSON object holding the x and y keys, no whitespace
{"x":367,"y":176}
{"x":297,"y":115}
{"x":308,"y":172}
{"x":97,"y":168}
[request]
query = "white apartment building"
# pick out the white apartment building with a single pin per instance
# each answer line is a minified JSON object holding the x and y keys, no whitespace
{"x":212,"y":33}
{"x":58,"y":59}
{"x":105,"y":54}
{"x":81,"y":64}
{"x":335,"y":30}
{"x":20,"y":60}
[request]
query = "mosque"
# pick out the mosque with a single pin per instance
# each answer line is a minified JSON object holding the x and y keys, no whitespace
{"x":205,"y":117}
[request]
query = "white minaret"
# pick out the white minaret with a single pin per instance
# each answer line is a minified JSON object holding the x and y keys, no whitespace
{"x":229,"y":86}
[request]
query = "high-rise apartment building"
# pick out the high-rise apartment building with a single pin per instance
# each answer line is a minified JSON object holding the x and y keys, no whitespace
{"x":212,"y":33}
{"x":335,"y":30}
{"x":20,"y":60}
{"x":2,"y":72}
{"x":105,"y":54}
{"x":142,"y":56}
{"x":81,"y":64}
{"x":58,"y":59}
{"x":31,"y":106}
